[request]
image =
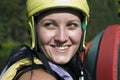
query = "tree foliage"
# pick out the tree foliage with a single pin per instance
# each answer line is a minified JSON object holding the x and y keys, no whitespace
{"x":12,"y":22}
{"x":13,"y":29}
{"x":103,"y":14}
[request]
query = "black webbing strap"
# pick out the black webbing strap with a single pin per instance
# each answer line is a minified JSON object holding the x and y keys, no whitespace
{"x":47,"y":66}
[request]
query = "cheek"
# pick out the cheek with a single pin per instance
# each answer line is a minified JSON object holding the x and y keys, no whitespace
{"x":76,"y":36}
{"x":44,"y":36}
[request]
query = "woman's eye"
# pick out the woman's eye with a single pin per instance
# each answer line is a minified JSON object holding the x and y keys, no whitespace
{"x":72,"y":25}
{"x":48,"y":24}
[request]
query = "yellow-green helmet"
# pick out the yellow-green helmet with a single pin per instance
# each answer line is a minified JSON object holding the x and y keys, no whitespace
{"x":35,"y":6}
{"x":117,"y":4}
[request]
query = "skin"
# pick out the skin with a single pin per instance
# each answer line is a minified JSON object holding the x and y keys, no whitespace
{"x":59,"y":35}
{"x":36,"y":75}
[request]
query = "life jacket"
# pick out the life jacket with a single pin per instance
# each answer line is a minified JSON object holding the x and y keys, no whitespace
{"x":16,"y":62}
{"x":21,"y":62}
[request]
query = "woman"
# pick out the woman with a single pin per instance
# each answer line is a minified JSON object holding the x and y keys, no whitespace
{"x":58,"y":29}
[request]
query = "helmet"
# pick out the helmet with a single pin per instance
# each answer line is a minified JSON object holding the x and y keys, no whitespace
{"x":117,"y":4}
{"x":35,"y":6}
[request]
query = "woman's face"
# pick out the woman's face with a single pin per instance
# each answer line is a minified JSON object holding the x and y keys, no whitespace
{"x":59,"y":35}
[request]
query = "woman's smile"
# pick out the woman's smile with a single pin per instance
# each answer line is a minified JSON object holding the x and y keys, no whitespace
{"x":61,"y":49}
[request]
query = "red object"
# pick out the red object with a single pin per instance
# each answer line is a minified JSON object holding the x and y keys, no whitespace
{"x":107,"y":62}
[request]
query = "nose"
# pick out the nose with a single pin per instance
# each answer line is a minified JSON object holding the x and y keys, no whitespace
{"x":61,"y":35}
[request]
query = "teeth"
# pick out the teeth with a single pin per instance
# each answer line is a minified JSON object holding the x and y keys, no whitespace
{"x":62,"y":47}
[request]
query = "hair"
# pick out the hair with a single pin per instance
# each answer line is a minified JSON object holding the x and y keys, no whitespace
{"x":40,"y":15}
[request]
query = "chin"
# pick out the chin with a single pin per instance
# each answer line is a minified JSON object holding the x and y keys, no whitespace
{"x":61,"y":61}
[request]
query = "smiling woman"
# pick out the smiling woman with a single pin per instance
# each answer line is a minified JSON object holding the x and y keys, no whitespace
{"x":58,"y":29}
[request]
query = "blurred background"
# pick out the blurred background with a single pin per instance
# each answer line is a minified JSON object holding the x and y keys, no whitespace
{"x":13,"y":30}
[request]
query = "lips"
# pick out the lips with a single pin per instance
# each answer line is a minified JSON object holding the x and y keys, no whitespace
{"x":61,"y":49}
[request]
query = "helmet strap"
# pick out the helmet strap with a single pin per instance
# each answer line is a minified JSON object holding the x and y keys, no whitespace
{"x":84,"y":26}
{"x":36,"y":36}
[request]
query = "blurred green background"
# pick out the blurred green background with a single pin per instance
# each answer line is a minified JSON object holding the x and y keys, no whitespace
{"x":13,"y":30}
